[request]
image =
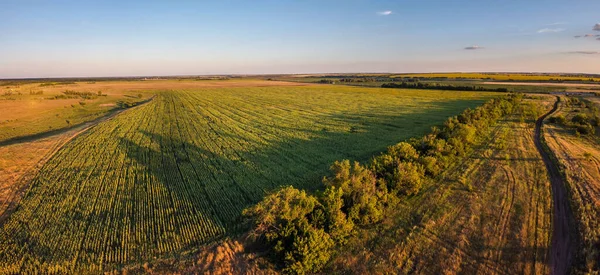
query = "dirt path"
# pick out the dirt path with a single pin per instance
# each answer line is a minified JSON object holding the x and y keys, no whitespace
{"x":563,"y":241}
{"x":13,"y":190}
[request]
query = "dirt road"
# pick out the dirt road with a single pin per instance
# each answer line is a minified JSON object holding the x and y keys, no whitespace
{"x":563,"y":236}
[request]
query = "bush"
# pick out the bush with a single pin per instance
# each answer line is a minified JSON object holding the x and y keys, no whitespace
{"x":584,"y":129}
{"x":431,"y":165}
{"x":363,"y":198}
{"x":407,"y":179}
{"x":559,"y":119}
{"x":304,"y":248}
{"x":385,"y":164}
{"x":336,"y":221}
{"x":284,"y":221}
{"x":581,"y":119}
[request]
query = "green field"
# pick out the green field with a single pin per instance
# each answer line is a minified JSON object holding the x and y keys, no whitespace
{"x":175,"y":173}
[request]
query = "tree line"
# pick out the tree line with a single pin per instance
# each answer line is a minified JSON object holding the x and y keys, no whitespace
{"x":584,"y":123}
{"x":438,"y":86}
{"x":301,"y":230}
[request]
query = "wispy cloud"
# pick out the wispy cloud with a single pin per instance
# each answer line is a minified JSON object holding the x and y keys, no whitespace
{"x":584,"y":52}
{"x":550,"y":30}
{"x":596,"y":27}
{"x":474,"y":47}
{"x":384,"y":12}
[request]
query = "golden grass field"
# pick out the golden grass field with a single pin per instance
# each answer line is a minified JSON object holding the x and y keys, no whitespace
{"x":24,"y":112}
{"x":580,"y":160}
{"x":488,"y":215}
{"x":504,"y":76}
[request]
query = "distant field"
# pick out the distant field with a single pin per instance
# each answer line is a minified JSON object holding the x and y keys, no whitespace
{"x":176,"y":172}
{"x":506,"y":76}
{"x":31,"y":108}
{"x":36,"y":108}
{"x":533,"y":84}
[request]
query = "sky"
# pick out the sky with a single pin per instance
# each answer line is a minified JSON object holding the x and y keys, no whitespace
{"x":62,"y":38}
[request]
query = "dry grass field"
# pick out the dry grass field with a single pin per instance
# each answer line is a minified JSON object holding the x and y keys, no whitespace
{"x":507,"y":76}
{"x":579,"y":157}
{"x":491,"y":214}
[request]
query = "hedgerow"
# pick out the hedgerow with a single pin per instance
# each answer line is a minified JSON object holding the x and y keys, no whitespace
{"x":358,"y":195}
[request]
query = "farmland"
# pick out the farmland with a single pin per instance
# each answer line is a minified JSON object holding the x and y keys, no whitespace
{"x":31,"y":108}
{"x":579,"y":158}
{"x":509,"y":76}
{"x":490,"y":214}
{"x":175,"y":173}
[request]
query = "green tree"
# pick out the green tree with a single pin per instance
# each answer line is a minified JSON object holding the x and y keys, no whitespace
{"x":284,"y":221}
{"x":336,"y":221}
{"x":363,"y":198}
{"x":407,"y":179}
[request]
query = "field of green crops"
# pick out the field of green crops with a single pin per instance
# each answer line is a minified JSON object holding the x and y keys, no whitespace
{"x":175,"y":173}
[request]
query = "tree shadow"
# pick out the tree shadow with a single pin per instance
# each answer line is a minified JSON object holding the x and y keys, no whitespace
{"x":174,"y":189}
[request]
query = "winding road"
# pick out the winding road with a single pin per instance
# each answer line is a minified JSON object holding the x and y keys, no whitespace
{"x":563,"y":240}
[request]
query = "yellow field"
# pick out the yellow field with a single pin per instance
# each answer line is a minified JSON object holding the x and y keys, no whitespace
{"x":580,"y":159}
{"x":34,"y":108}
{"x":502,"y":76}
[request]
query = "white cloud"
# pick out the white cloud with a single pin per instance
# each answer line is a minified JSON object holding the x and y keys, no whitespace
{"x":549,"y":30}
{"x":597,"y":27}
{"x":585,"y":52}
{"x":474,"y":47}
{"x":384,"y":12}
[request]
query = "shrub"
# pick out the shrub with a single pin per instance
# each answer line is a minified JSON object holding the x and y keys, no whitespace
{"x":431,"y":165}
{"x":559,"y":119}
{"x":283,"y":219}
{"x":580,"y":119}
{"x":363,"y":198}
{"x":336,"y":221}
{"x":385,"y":164}
{"x":584,"y":129}
{"x":310,"y":249}
{"x":403,"y":151}
{"x":407,"y":179}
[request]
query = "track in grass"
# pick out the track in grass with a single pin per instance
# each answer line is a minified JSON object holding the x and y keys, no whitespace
{"x":563,"y":242}
{"x":176,"y":173}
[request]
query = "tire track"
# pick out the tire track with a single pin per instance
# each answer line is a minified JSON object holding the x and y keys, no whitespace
{"x":563,"y":241}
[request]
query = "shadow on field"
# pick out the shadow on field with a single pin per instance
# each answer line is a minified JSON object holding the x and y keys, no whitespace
{"x":170,"y":184}
{"x":220,"y":182}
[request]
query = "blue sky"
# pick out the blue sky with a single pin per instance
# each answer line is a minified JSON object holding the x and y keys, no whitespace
{"x":116,"y":38}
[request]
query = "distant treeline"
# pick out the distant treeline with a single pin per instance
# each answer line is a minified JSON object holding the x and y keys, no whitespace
{"x":437,"y":86}
{"x":583,"y":123}
{"x":301,"y":230}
